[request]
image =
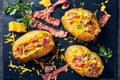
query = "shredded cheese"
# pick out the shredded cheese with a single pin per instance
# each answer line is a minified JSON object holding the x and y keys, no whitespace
{"x":23,"y":69}
{"x":103,"y":7}
{"x":57,"y":51}
{"x":33,"y":68}
{"x":62,"y":57}
{"x":53,"y":64}
{"x":106,"y":1}
{"x":53,"y":57}
{"x":55,"y":78}
{"x":65,"y":39}
{"x":74,"y":39}
{"x":10,"y":39}
{"x":45,"y":3}
{"x":38,"y":73}
{"x":40,"y":63}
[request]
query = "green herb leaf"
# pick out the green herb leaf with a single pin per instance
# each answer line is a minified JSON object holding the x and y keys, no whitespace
{"x":91,"y":21}
{"x":23,"y":7}
{"x":13,"y":12}
{"x":82,"y":4}
{"x":96,"y":12}
{"x":7,"y":35}
{"x":78,"y":26}
{"x":31,"y":3}
{"x":29,"y":11}
{"x":106,"y":53}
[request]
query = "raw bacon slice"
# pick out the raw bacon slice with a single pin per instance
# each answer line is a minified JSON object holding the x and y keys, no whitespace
{"x":45,"y":14}
{"x":54,"y":74}
{"x":54,"y":32}
{"x":104,"y":19}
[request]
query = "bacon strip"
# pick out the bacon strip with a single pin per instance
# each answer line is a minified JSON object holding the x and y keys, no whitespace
{"x":45,"y":14}
{"x":54,"y":32}
{"x":104,"y":19}
{"x":65,"y":5}
{"x":54,"y":74}
{"x":48,"y":69}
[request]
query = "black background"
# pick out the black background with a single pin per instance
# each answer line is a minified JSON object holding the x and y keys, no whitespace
{"x":108,"y":37}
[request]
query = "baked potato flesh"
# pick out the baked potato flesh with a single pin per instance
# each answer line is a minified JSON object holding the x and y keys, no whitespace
{"x":81,"y":23}
{"x":84,"y":61}
{"x":33,"y":44}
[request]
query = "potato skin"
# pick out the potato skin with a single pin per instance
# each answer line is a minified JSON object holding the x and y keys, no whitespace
{"x":75,"y":52}
{"x":81,"y":23}
{"x":33,"y":44}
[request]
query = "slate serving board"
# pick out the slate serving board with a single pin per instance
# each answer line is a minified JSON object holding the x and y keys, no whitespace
{"x":108,"y":37}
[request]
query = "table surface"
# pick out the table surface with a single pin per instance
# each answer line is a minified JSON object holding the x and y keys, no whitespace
{"x":1,"y":57}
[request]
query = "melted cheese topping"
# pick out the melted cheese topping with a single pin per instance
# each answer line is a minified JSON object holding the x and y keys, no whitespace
{"x":84,"y":61}
{"x":82,"y":21}
{"x":33,"y":44}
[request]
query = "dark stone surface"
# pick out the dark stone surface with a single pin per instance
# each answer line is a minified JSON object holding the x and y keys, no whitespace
{"x":119,"y":43}
{"x":1,"y":57}
{"x":1,"y":54}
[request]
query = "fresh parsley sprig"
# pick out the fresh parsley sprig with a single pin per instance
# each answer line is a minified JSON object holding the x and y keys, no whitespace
{"x":23,"y":7}
{"x":106,"y":53}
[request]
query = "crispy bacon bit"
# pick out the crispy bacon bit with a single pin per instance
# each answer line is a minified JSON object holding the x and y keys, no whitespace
{"x":54,"y":32}
{"x":45,"y":41}
{"x":93,"y":70}
{"x":45,"y":14}
{"x":34,"y":40}
{"x":54,"y":74}
{"x":20,"y":50}
{"x":103,"y":22}
{"x":65,"y":5}
{"x":46,"y":17}
{"x":48,"y":69}
{"x":104,"y":19}
{"x":78,"y":59}
{"x":72,"y":15}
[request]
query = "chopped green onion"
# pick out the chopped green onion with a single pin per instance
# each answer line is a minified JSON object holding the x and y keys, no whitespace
{"x":82,"y":4}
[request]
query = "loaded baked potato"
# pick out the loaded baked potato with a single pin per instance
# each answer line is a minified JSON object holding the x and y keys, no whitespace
{"x":81,"y":23}
{"x":33,"y":44}
{"x":84,"y":61}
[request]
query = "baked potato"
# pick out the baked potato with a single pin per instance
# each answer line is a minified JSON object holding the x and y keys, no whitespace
{"x":84,"y":61}
{"x":81,"y":23}
{"x":33,"y":44}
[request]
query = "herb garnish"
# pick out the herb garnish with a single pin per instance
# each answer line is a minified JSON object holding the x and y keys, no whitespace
{"x":106,"y":53}
{"x":82,"y":4}
{"x":91,"y":21}
{"x":81,"y":27}
{"x":23,"y":7}
{"x":96,"y":12}
{"x":78,"y":26}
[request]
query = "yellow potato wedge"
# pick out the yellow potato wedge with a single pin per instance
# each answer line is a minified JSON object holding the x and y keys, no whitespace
{"x":84,"y":61}
{"x":81,"y":23}
{"x":33,"y":44}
